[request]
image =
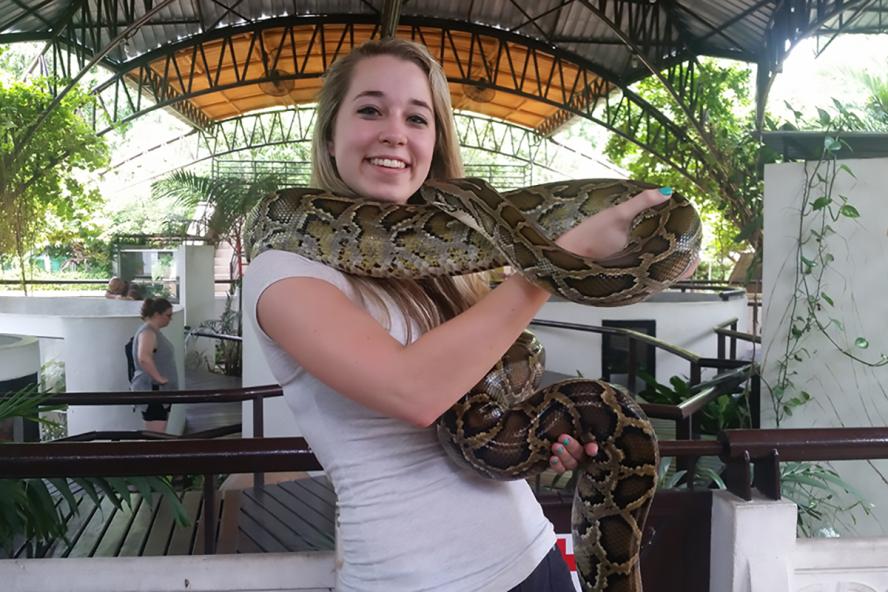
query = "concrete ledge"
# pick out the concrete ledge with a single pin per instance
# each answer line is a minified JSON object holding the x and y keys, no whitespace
{"x":268,"y":572}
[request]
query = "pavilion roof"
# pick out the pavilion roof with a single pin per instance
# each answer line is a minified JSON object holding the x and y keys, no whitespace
{"x":543,"y":50}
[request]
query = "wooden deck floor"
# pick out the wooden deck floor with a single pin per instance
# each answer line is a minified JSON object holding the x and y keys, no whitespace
{"x":290,"y":516}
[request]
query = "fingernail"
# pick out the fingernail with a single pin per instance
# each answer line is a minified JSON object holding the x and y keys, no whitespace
{"x":553,"y":460}
{"x":666,"y":190}
{"x":566,"y":441}
{"x":559,"y":449}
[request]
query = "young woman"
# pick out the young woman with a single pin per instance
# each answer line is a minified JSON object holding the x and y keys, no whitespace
{"x":367,"y":366}
{"x":154,"y":360}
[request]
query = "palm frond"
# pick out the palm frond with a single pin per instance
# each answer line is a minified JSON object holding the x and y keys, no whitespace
{"x":30,"y":511}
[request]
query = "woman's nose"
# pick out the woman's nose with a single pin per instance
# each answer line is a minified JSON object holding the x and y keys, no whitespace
{"x":393,"y":135}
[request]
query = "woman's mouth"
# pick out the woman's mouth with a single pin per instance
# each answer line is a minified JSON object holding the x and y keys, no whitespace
{"x":388,"y":163}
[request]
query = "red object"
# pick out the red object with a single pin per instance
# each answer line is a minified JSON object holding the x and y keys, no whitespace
{"x":569,"y":559}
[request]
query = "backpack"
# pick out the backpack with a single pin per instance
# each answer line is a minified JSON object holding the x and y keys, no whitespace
{"x":130,"y":362}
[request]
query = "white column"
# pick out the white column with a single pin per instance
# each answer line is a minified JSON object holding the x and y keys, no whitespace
{"x":751,"y":543}
{"x":196,"y":291}
{"x":194,"y":264}
{"x":19,"y":359}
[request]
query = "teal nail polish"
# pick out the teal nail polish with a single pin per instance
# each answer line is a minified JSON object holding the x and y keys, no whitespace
{"x":666,"y":190}
{"x":553,"y":461}
{"x":566,"y":441}
{"x":559,"y":449}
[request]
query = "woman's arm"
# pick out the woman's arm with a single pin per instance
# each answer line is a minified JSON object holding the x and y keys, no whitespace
{"x":147,"y":342}
{"x":346,"y":348}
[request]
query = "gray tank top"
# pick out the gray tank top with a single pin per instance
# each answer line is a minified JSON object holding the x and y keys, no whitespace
{"x":164,"y":360}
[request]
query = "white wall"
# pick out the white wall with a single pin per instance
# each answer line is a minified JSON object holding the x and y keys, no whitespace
{"x":194,"y":265}
{"x":846,"y":394}
{"x":19,"y":356}
{"x":94,"y":331}
{"x":680,"y":320}
{"x":753,"y":548}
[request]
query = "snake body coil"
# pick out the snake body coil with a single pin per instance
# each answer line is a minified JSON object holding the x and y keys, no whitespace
{"x":504,"y":427}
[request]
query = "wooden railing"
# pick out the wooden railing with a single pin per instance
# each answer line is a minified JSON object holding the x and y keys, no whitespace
{"x":739,"y":449}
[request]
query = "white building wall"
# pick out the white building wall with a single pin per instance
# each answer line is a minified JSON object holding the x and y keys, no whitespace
{"x":93,"y":332}
{"x":194,"y":264}
{"x":19,"y":356}
{"x":754,"y":549}
{"x":845,"y":394}
{"x":680,"y":320}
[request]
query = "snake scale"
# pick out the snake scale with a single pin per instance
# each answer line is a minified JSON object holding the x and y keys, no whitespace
{"x":505,"y":426}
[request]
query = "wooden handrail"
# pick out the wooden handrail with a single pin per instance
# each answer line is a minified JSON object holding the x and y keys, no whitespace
{"x":158,"y":457}
{"x":163,"y":457}
{"x":805,"y":444}
{"x":191,"y":396}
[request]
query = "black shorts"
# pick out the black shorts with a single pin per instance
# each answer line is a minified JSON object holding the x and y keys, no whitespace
{"x":156,"y":412}
{"x":551,"y":575}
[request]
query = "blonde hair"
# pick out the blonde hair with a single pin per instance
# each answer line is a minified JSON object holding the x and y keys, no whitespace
{"x":427,"y":302}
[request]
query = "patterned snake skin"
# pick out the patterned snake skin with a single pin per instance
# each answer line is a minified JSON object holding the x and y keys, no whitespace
{"x":504,"y":427}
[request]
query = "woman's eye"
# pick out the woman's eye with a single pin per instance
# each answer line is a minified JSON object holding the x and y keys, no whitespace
{"x":419,"y":120}
{"x":368,"y":110}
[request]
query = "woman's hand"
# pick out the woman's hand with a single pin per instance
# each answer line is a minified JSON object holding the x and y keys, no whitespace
{"x":568,"y":453}
{"x":607,"y":232}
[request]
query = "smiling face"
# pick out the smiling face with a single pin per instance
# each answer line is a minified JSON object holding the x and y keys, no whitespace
{"x":384,"y":132}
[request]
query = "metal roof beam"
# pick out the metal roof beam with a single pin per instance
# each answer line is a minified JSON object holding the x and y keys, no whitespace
{"x":715,"y":29}
{"x":844,"y":24}
{"x":391,"y":15}
{"x":28,"y":11}
{"x":504,"y":61}
{"x":28,"y":134}
{"x":683,"y":95}
{"x":736,"y":18}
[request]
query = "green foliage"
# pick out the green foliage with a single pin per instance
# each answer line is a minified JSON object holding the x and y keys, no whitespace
{"x":28,"y":507}
{"x":816,"y":490}
{"x":221,"y":203}
{"x":730,"y":189}
{"x":704,"y":477}
{"x":726,"y":412}
{"x":227,"y":353}
{"x":876,"y":105}
{"x":43,"y":195}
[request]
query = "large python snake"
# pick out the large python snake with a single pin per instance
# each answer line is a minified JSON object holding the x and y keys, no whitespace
{"x":504,"y":427}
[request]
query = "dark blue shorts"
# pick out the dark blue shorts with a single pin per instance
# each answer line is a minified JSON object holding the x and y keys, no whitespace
{"x":551,"y":575}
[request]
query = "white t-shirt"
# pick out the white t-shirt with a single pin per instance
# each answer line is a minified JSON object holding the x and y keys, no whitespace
{"x":410,"y":519}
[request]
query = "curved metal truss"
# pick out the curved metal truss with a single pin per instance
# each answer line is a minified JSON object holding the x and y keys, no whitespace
{"x":295,"y":125}
{"x":659,"y":35}
{"x":503,"y":61}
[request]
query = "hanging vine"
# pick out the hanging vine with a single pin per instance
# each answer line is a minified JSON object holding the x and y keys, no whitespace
{"x":822,"y":207}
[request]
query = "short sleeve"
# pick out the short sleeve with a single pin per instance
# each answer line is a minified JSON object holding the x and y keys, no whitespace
{"x":273,"y":266}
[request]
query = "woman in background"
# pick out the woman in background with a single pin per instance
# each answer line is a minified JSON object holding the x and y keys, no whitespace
{"x":155,"y":361}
